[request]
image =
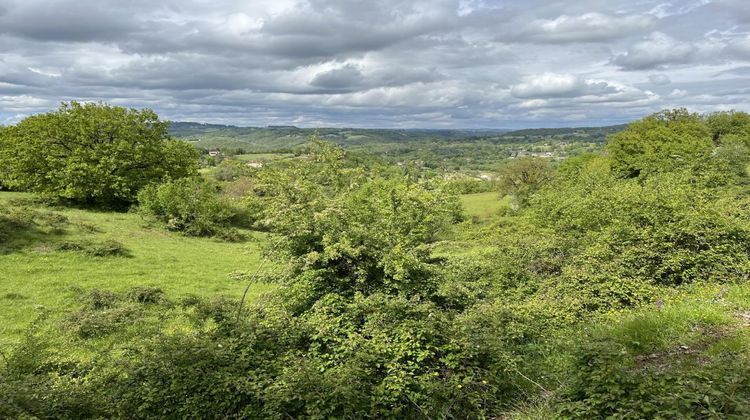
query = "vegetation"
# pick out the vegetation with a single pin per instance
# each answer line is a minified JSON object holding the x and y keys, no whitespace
{"x":445,"y":150}
{"x":192,"y":206}
{"x":48,"y":261}
{"x":91,"y":154}
{"x":607,"y":285}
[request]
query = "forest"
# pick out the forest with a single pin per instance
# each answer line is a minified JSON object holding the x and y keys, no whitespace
{"x":442,"y":276}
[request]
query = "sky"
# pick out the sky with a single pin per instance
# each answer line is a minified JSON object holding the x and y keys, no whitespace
{"x":378,"y":63}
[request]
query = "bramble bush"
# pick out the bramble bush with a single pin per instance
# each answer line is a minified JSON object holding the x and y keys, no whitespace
{"x":192,"y":206}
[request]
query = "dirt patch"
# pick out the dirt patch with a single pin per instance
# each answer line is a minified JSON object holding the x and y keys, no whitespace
{"x":744,"y":317}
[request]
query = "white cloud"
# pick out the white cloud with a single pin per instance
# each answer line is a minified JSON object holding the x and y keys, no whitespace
{"x":656,"y":50}
{"x":588,"y":27}
{"x":552,"y":85}
{"x":548,"y":85}
{"x":677,"y":94}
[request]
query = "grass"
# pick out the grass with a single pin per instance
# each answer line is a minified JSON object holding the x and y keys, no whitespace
{"x":484,"y":205}
{"x":40,"y":268}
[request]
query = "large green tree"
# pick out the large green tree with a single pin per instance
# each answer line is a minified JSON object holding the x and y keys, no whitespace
{"x":661,"y":142}
{"x":92,"y":153}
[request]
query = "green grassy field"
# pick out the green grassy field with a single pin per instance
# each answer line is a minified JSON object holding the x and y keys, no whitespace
{"x":36,"y":274}
{"x":263,"y":157}
{"x":484,"y":205}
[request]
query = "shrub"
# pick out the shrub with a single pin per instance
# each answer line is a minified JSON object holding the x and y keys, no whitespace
{"x":36,"y":381}
{"x":192,"y":206}
{"x":661,"y":142}
{"x":146,"y":295}
{"x":231,"y":170}
{"x":666,"y":229}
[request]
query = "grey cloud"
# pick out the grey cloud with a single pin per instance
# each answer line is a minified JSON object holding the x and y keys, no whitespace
{"x":342,"y":78}
{"x":659,"y":79}
{"x":78,"y":21}
{"x":463,"y":63}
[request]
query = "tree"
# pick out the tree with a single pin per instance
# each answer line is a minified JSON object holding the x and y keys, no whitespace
{"x":731,"y":123}
{"x":524,"y":176}
{"x":92,"y":153}
{"x":661,"y":142}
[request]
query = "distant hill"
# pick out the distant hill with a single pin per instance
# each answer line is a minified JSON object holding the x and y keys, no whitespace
{"x":273,"y":138}
{"x":573,"y":132}
{"x":269,"y":138}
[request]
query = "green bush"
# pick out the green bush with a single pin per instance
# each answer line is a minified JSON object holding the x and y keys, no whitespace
{"x":367,"y":357}
{"x":37,"y":381}
{"x":667,"y":229}
{"x":192,"y":206}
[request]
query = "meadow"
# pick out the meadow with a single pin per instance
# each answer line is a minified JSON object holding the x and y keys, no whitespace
{"x":38,"y":273}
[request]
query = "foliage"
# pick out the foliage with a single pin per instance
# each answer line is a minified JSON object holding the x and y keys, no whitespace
{"x":92,"y":153}
{"x":231,"y":170}
{"x":675,"y":139}
{"x":522,"y":177}
{"x":35,"y":382}
{"x":729,"y":124}
{"x":349,"y":233}
{"x":618,"y":290}
{"x":664,"y":230}
{"x":661,"y":142}
{"x":192,"y":206}
{"x":676,"y":363}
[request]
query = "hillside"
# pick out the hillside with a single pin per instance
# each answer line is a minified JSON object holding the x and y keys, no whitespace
{"x":445,"y":149}
{"x":63,"y":253}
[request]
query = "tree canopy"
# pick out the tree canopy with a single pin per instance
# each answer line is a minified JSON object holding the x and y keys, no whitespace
{"x":92,"y":153}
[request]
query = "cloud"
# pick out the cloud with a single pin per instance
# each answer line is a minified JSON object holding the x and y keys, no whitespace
{"x":678,"y":93}
{"x":659,"y":79}
{"x":342,"y":78}
{"x":588,"y":27}
{"x":552,"y":85}
{"x":459,"y":63}
{"x":656,"y":50}
{"x":58,"y":21}
{"x":740,"y":48}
